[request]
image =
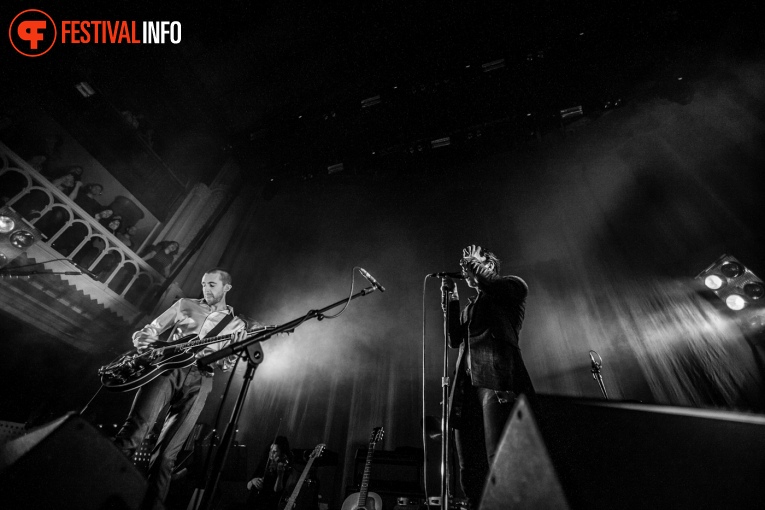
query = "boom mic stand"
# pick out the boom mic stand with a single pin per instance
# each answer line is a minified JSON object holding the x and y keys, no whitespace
{"x":254,"y":358}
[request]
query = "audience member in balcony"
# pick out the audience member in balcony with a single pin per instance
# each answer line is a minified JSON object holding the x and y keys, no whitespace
{"x":103,"y":214}
{"x":113,"y":224}
{"x":68,"y":185}
{"x":38,"y":162}
{"x":74,"y":170}
{"x":86,"y":198}
{"x":126,"y":235}
{"x":162,"y":255}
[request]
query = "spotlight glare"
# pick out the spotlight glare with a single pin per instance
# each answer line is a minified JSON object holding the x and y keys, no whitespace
{"x":713,"y":281}
{"x":22,"y":239}
{"x":6,"y":224}
{"x":735,"y":302}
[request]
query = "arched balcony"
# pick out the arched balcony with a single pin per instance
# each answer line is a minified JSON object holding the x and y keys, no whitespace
{"x":69,"y":232}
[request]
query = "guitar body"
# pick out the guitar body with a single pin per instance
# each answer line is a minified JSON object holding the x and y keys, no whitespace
{"x":374,"y":502}
{"x":136,"y":368}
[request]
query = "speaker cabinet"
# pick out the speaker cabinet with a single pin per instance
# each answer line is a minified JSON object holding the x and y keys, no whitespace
{"x":67,"y":464}
{"x":583,"y":454}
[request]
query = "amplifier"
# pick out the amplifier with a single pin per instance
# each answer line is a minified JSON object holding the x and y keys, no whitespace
{"x":399,"y":470}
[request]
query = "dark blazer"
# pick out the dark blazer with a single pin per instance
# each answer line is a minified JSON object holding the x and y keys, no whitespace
{"x":488,"y":329}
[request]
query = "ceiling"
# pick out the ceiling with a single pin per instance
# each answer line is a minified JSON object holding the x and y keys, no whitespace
{"x":283,"y":86}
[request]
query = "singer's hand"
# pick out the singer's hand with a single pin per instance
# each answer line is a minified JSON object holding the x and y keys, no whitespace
{"x":448,"y":285}
{"x":473,"y":252}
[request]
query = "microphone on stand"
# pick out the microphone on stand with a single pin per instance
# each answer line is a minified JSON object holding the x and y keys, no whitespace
{"x":456,"y":276}
{"x":595,"y":369}
{"x":371,"y":279}
{"x":594,"y":365}
{"x":86,"y":271}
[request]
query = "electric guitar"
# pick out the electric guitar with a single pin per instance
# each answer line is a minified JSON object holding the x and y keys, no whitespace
{"x":140,"y":366}
{"x":364,"y":499}
{"x":289,"y":503}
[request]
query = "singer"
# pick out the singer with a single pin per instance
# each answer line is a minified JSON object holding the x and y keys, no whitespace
{"x":490,"y":370}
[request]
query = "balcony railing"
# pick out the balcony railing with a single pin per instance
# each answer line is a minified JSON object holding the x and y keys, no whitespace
{"x":74,"y":234}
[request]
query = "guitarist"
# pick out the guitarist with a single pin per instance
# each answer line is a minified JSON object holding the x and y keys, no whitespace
{"x":184,"y":389}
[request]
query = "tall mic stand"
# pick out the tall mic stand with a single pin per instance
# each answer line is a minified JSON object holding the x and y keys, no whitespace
{"x":595,"y":369}
{"x":445,"y":468}
{"x":254,"y":358}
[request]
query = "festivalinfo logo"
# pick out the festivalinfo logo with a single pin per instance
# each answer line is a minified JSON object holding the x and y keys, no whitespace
{"x":33,"y":32}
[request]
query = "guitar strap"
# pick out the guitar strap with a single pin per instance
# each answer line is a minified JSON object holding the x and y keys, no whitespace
{"x":208,"y":371}
{"x":219,"y":327}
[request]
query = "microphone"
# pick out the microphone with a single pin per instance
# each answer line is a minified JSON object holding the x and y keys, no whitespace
{"x":594,"y":365}
{"x":371,"y":279}
{"x":86,"y":271}
{"x":456,"y":276}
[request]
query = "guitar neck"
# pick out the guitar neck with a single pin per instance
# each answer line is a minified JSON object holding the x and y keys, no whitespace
{"x":293,"y":497}
{"x":200,"y":342}
{"x":364,"y":489}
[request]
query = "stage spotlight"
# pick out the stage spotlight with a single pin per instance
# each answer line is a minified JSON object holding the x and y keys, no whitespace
{"x":735,"y":302}
{"x":16,"y":236}
{"x":6,"y":224}
{"x":85,"y":89}
{"x":732,"y":282}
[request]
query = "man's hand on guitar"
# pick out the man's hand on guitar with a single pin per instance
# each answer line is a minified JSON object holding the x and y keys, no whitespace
{"x":144,"y":338}
{"x":239,"y":336}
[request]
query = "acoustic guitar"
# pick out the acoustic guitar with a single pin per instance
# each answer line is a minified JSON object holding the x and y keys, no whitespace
{"x":364,"y":499}
{"x":289,"y":503}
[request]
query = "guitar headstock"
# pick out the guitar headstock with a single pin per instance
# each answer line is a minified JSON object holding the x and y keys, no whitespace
{"x":376,"y":437}
{"x":317,"y":451}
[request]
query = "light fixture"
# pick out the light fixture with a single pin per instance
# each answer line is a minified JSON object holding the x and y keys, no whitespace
{"x":6,"y":224}
{"x":734,"y":283}
{"x":85,"y":89}
{"x":22,"y":239}
{"x":493,"y":65}
{"x":574,"y":111}
{"x":333,"y":169}
{"x":440,"y":142}
{"x":371,"y":101}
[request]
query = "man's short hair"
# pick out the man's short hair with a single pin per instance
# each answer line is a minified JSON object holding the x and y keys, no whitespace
{"x":225,"y":276}
{"x":490,"y":257}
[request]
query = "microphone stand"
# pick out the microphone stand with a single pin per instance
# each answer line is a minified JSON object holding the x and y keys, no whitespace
{"x":27,"y":274}
{"x":596,"y":372}
{"x":445,"y":468}
{"x":254,"y":358}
